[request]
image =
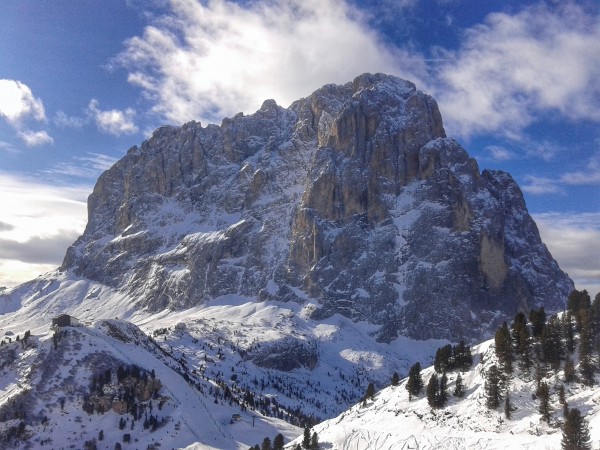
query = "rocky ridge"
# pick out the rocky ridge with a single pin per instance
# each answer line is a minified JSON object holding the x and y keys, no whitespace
{"x":352,"y":198}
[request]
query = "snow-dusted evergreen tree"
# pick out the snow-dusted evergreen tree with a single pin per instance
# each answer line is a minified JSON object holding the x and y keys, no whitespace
{"x":278,"y":442}
{"x":493,"y":387}
{"x":504,"y":352}
{"x":575,"y":432}
{"x":414,"y":385}
{"x":544,"y":397}
{"x":395,"y":379}
{"x":537,"y":317}
{"x":459,"y":388}
{"x":432,"y":391}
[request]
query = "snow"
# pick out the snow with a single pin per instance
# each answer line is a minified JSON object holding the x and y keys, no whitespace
{"x":391,"y":421}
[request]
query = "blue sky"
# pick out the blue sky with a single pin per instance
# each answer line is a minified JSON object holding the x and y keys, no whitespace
{"x":81,"y":81}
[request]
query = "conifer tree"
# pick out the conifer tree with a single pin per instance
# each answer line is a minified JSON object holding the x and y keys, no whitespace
{"x":463,"y":359}
{"x":567,"y":323}
{"x":442,"y":392}
{"x":443,"y":359}
{"x":266,"y":444}
{"x":561,"y":395}
{"x":578,"y":303}
{"x":306,"y":438}
{"x":586,"y":365}
{"x":432,"y":391}
{"x":493,"y":387}
{"x":521,"y":338}
{"x":459,"y":389}
{"x":551,"y":343}
{"x":569,"y":370}
{"x":278,"y":442}
{"x":544,"y":397}
{"x":537,"y":317}
{"x":504,"y":348}
{"x":370,"y":392}
{"x":507,"y":406}
{"x":314,"y":441}
{"x":414,"y":385}
{"x":395,"y":379}
{"x":575,"y":432}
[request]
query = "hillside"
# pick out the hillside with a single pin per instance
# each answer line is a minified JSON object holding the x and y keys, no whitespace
{"x":391,"y":421}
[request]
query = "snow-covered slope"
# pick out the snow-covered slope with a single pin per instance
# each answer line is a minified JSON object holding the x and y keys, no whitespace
{"x":392,"y":421}
{"x":316,"y":368}
{"x":46,"y":385}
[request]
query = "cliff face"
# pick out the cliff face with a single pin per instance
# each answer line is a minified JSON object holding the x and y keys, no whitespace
{"x":352,"y":197}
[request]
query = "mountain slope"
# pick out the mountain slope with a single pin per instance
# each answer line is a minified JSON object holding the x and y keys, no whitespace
{"x":48,"y":387}
{"x":392,"y":421}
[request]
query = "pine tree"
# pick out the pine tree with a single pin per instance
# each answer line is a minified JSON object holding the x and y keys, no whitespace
{"x":507,"y":406}
{"x":278,"y":442}
{"x":521,"y":339}
{"x":493,"y":387}
{"x":551,"y":343}
{"x":266,"y":444}
{"x":314,"y":441}
{"x":414,"y":385}
{"x":443,"y":359}
{"x":395,"y":379}
{"x":504,"y":348}
{"x":443,"y":391}
{"x":459,"y":389}
{"x":463,"y":359}
{"x":578,"y":303}
{"x":569,"y":370}
{"x":432,"y":391}
{"x":370,"y":392}
{"x":595,"y":321}
{"x":544,"y":396}
{"x":561,"y":395}
{"x":586,"y":365}
{"x":567,"y":324}
{"x":575,"y":433}
{"x":306,"y":438}
{"x":537,"y":317}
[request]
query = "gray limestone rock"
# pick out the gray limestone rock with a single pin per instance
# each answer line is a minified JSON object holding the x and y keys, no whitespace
{"x":352,"y":196}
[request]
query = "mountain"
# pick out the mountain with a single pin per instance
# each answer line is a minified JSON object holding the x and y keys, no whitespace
{"x":351,"y":198}
{"x":277,"y":264}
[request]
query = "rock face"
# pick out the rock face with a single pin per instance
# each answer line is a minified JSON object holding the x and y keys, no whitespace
{"x":352,"y":198}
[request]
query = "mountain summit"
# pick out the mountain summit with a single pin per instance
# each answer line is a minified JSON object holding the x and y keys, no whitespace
{"x":352,"y":199}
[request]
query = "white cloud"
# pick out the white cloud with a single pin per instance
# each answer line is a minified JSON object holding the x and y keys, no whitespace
{"x":590,"y":175}
{"x":212,"y":59}
{"x":114,"y":121}
{"x":38,"y":222}
{"x":540,"y":185}
{"x":7,"y":147}
{"x":62,"y":120}
{"x":35,"y":138}
{"x":89,"y":166}
{"x":499,"y":153}
{"x":513,"y":68}
{"x":16,"y":106}
{"x":18,"y":102}
{"x":574,"y":241}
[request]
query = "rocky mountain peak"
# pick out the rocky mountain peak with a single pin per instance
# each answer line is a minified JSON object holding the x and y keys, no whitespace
{"x":352,"y":199}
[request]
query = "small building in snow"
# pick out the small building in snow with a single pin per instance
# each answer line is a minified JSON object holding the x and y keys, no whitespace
{"x":65,"y":320}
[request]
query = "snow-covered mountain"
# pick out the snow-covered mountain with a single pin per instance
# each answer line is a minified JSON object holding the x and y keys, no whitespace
{"x":282,"y":261}
{"x":351,"y":198}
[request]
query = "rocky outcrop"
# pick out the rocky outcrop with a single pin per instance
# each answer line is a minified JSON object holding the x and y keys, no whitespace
{"x":352,"y":197}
